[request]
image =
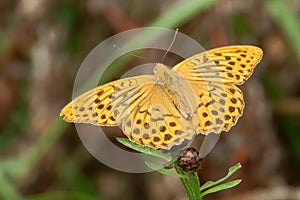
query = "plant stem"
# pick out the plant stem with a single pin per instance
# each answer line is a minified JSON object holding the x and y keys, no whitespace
{"x":195,"y":183}
{"x":191,"y":185}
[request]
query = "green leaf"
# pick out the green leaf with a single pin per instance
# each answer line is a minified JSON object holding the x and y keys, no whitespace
{"x":164,"y":170}
{"x":221,"y":187}
{"x":187,"y":9}
{"x":8,"y":190}
{"x":144,"y":149}
{"x":231,"y":171}
{"x":68,"y":195}
{"x":287,"y":20}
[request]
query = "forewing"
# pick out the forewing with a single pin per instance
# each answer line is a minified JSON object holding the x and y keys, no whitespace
{"x":105,"y":105}
{"x":230,"y":64}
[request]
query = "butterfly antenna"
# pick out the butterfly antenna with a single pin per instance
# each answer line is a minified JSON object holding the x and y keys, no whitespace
{"x":176,"y":31}
{"x":117,"y":47}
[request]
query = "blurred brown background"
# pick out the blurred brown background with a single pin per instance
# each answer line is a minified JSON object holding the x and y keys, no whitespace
{"x":42,"y":44}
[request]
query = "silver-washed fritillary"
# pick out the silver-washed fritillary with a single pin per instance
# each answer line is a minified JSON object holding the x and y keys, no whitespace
{"x":198,"y":95}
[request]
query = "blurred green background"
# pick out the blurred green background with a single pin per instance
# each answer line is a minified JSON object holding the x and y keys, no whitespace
{"x":42,"y":44}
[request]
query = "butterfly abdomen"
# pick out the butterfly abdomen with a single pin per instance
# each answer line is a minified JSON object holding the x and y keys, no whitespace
{"x":178,"y":89}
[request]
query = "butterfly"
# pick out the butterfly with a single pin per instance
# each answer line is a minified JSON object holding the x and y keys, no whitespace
{"x":198,"y":95}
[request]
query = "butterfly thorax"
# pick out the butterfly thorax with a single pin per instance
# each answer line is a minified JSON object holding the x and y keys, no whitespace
{"x":178,"y":88}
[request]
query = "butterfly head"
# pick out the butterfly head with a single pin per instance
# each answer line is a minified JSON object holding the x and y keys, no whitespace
{"x":163,"y":75}
{"x":160,"y":68}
